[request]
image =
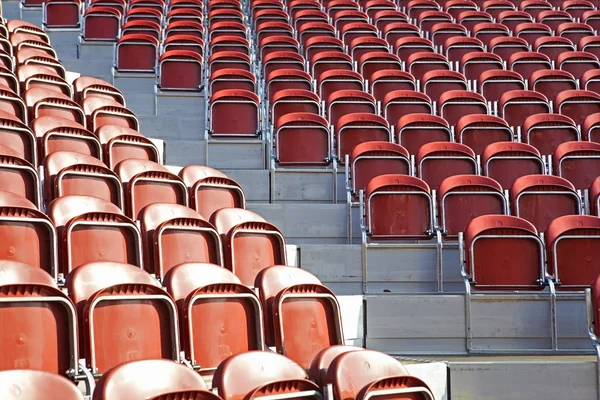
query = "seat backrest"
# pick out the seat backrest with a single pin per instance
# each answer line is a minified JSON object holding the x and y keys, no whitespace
{"x":34,"y":308}
{"x":478,"y":131}
{"x":250,"y":243}
{"x":438,"y":160}
{"x":573,"y":246}
{"x":120,"y":143}
{"x":507,"y":161}
{"x":37,"y":385}
{"x":503,"y":252}
{"x":126,"y":299}
{"x":415,"y":130}
{"x":320,"y":364}
{"x":142,"y":379}
{"x":272,"y":280}
{"x":546,"y":131}
{"x":174,"y":234}
{"x":211,"y":299}
{"x":60,"y":134}
{"x":241,"y":374}
{"x":577,"y":162}
{"x":388,"y":201}
{"x":464,"y":197}
{"x":210,"y":189}
{"x":70,"y":173}
{"x":541,"y":198}
{"x":351,"y":372}
{"x":147,"y":182}
{"x":92,"y":229}
{"x":371,"y":159}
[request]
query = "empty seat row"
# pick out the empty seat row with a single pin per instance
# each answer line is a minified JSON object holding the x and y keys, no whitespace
{"x":345,"y":370}
{"x":149,"y":322}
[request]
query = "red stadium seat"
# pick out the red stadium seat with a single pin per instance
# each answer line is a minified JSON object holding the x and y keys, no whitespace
{"x":152,"y":379}
{"x":101,"y":111}
{"x":438,"y":160}
{"x":405,"y":47}
{"x":577,"y":104}
{"x":345,"y":102}
{"x":15,"y":135}
{"x":369,"y":373}
{"x":553,"y":46}
{"x":288,"y":60}
{"x":328,"y":60}
{"x":255,"y":374}
{"x":421,"y":63}
{"x":507,"y":161}
{"x":249,"y":242}
{"x":174,"y":234}
{"x":356,"y":128}
{"x":577,"y":62}
{"x":132,"y":302}
{"x":37,"y":385}
{"x":385,"y":81}
{"x":86,"y":86}
{"x":541,"y":198}
{"x":551,"y":82}
{"x":503,"y":252}
{"x":512,"y":19}
{"x":398,"y":207}
{"x":574,"y":31}
{"x":526,"y":63}
{"x":228,"y":59}
{"x":416,"y":130}
{"x":195,"y":287}
{"x":546,"y":131}
{"x":455,"y":104}
{"x":506,"y":46}
{"x":119,"y":143}
{"x":101,"y":24}
{"x":400,"y":103}
{"x":436,"y":83}
{"x":590,"y":124}
{"x":180,"y":70}
{"x":334,"y":80}
{"x":578,"y":162}
{"x":462,"y":198}
{"x":302,"y":138}
{"x":297,"y":305}
{"x":395,"y":31}
{"x":370,"y":63}
{"x":487,"y":31}
{"x":34,"y":308}
{"x":19,"y":176}
{"x":471,"y":18}
{"x":68,"y":173}
{"x":234,"y":113}
{"x":494,"y":83}
{"x":516,"y":105}
{"x":210,"y":190}
{"x":572,"y":245}
{"x":146,"y":182}
{"x":232,"y":79}
{"x":41,"y":102}
{"x":531,"y":31}
{"x":289,"y":101}
{"x":92,"y":229}
{"x":320,"y":364}
{"x":472,"y":65}
{"x":136,"y":53}
{"x":371,"y":159}
{"x":59,"y":134}
{"x":479,"y":131}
